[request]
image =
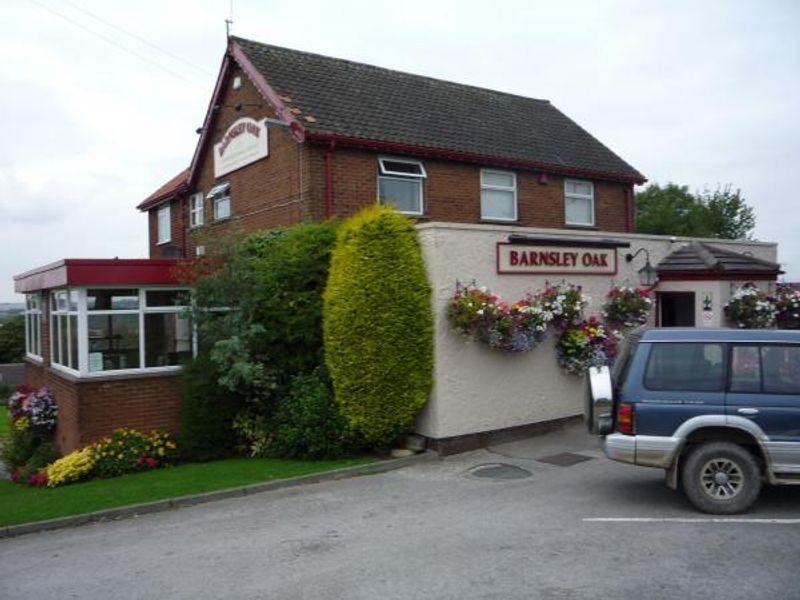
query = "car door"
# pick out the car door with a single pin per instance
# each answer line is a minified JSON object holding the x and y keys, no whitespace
{"x":765,"y":388}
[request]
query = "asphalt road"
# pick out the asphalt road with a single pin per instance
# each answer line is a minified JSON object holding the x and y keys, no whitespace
{"x":432,"y":530}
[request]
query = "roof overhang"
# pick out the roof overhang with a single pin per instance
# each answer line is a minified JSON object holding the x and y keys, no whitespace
{"x":697,"y":275}
{"x":91,"y":271}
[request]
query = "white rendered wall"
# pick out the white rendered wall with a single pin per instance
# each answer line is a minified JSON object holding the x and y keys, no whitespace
{"x":477,"y":389}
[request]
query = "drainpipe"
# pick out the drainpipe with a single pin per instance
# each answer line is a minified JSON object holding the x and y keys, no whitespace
{"x":329,"y":179}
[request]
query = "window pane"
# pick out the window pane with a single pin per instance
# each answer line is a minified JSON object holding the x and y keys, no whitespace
{"x":73,"y":300}
{"x":112,"y":299}
{"x":686,"y":367}
{"x":579,"y":211}
{"x":745,"y":369}
{"x":583,"y":188}
{"x":61,"y":301}
{"x":404,"y":195}
{"x":497,"y":178}
{"x":781,"y":366}
{"x":37,"y":335}
{"x":167,"y":339}
{"x":167,"y":298}
{"x":63,"y":340}
{"x":392,"y":166}
{"x":73,"y":341}
{"x":222,"y":208}
{"x":496,"y":204}
{"x":54,"y":340}
{"x":113,"y":342}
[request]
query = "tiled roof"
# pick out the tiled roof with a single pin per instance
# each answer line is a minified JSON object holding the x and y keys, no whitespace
{"x":166,"y":191}
{"x":703,"y":257}
{"x":361,"y":101}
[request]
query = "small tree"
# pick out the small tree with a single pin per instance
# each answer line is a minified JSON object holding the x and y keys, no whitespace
{"x":378,"y":325}
{"x":12,"y":340}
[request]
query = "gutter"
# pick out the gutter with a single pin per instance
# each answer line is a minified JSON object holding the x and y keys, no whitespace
{"x":442,"y":153}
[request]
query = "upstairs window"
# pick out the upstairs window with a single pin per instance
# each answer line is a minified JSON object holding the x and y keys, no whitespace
{"x":579,"y":202}
{"x":164,"y":224}
{"x":196,"y":207}
{"x":33,"y":325}
{"x":400,"y":184}
{"x":221,"y":200}
{"x":498,"y":195}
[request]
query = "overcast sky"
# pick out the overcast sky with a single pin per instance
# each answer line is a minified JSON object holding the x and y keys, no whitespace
{"x":100,"y":100}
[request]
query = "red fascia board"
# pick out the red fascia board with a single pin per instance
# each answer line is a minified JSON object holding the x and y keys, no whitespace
{"x":467,"y":157}
{"x":88,"y":271}
{"x":717,"y":275}
{"x":155,"y":201}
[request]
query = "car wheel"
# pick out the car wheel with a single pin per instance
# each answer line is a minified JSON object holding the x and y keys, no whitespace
{"x":721,"y":478}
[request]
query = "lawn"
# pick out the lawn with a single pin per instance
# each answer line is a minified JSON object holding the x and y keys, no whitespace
{"x":24,"y":504}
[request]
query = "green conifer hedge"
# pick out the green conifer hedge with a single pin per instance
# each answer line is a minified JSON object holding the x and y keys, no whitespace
{"x":378,"y":325}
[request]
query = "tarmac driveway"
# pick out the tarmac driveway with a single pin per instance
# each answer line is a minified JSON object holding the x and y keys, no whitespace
{"x":439,"y":529}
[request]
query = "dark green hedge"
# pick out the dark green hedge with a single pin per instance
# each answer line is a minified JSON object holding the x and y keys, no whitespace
{"x":378,"y":325}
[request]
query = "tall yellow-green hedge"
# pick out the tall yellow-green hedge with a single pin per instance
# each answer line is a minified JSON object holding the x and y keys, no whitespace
{"x":378,"y":325}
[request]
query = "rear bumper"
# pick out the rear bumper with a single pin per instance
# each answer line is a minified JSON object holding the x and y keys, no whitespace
{"x":644,"y":450}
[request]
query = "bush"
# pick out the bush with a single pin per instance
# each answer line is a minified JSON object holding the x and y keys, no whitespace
{"x":306,"y":423}
{"x":20,"y":445}
{"x":128,"y":450}
{"x":75,"y":466}
{"x":12,"y":340}
{"x":207,"y":413}
{"x":378,"y":325}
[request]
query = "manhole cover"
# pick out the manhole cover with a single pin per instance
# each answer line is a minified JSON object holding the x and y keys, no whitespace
{"x":499,"y":471}
{"x":564,"y":459}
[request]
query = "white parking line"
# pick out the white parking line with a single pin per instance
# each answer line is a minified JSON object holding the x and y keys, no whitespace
{"x":695,"y":520}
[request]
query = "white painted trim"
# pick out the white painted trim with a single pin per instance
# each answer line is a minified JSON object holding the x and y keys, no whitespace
{"x":416,"y":180}
{"x":160,"y":235}
{"x":194,"y":211}
{"x":407,"y":161}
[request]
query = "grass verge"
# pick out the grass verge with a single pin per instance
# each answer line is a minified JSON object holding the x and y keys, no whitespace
{"x":24,"y":504}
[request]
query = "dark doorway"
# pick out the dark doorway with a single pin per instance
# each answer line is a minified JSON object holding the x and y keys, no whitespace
{"x":677,"y":309}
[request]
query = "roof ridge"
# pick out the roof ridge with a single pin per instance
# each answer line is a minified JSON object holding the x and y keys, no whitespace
{"x":393,"y":71}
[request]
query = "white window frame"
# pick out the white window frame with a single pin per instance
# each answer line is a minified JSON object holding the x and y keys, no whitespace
{"x":220,"y":193}
{"x":575,"y":196}
{"x":33,"y":326}
{"x":83,"y":330}
{"x":164,"y":224}
{"x":56,"y":351}
{"x":388,"y":174}
{"x":500,"y":188}
{"x":196,"y":210}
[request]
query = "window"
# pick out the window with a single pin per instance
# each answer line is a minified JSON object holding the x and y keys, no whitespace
{"x":769,"y":369}
{"x":164,"y":224}
{"x":64,"y":329}
{"x":33,"y":325}
{"x":578,"y":202}
{"x":498,"y":195}
{"x":686,"y":367}
{"x":196,"y":206}
{"x":221,"y":199}
{"x":400,"y":184}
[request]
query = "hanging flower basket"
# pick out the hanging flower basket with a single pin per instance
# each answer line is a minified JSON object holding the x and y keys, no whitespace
{"x":787,"y":305}
{"x":585,"y":344}
{"x":563,"y":303}
{"x":750,"y":308}
{"x":627,"y":307}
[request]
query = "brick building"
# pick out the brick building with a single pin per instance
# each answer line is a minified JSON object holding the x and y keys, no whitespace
{"x":291,"y":137}
{"x":336,"y":135}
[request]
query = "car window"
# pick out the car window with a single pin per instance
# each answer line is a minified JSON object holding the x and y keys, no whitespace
{"x":745,"y":369}
{"x":781,"y":368}
{"x":690,"y":367}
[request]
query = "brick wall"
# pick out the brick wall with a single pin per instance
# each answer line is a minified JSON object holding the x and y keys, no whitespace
{"x":289,"y":186}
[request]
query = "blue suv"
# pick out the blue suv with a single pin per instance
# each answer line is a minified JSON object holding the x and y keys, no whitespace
{"x":718,"y":409}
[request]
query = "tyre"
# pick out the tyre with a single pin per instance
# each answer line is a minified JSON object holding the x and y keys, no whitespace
{"x":721,"y":478}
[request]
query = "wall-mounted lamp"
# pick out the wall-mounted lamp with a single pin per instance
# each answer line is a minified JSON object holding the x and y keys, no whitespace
{"x":648,"y":276}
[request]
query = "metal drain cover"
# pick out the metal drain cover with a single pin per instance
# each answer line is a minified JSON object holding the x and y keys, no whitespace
{"x":564,"y":459}
{"x":498,"y":471}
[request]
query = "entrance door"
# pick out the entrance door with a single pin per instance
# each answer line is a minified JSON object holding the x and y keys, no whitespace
{"x":676,"y":309}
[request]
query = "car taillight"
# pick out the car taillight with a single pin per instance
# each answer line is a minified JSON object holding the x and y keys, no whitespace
{"x":625,"y":421}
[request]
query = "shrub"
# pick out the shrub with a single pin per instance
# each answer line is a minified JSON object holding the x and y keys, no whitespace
{"x":12,"y":340}
{"x":128,"y":450}
{"x":378,"y":325}
{"x":207,"y":413}
{"x":20,"y":445}
{"x":75,"y":466}
{"x":306,"y":423}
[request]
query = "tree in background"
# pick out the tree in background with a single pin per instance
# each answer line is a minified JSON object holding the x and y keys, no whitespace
{"x":12,"y":340}
{"x":674,"y":210}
